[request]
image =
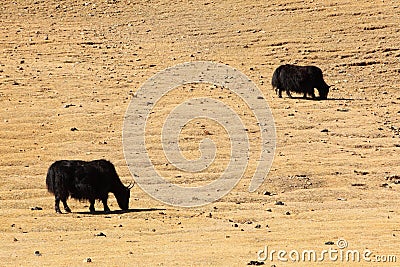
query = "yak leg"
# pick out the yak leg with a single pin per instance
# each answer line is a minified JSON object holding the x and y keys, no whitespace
{"x":91,"y":208}
{"x":278,"y":92}
{"x":288,"y":93}
{"x":106,"y":208}
{"x":57,"y":205}
{"x":66,"y":208}
{"x":312,"y":93}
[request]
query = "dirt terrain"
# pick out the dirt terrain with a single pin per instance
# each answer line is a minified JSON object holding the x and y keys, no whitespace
{"x":69,"y":69}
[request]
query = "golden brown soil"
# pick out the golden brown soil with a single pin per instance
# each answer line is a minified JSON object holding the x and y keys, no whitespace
{"x":77,"y":64}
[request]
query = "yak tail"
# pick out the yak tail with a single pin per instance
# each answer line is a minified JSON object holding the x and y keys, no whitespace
{"x":56,"y":180}
{"x":275,"y":78}
{"x":50,"y":180}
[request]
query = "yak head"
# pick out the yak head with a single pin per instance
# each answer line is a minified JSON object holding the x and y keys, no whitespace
{"x":323,"y":92}
{"x":123,"y":196}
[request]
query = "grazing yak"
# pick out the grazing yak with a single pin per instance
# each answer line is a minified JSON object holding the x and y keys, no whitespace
{"x":299,"y":79}
{"x":86,"y":180}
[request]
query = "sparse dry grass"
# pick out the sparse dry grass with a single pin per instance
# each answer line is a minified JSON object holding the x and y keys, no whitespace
{"x":76,"y":64}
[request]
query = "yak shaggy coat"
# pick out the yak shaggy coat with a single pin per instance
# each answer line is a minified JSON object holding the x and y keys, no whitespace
{"x":299,"y":79}
{"x":86,"y":180}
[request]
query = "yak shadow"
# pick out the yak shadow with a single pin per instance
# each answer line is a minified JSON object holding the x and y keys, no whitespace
{"x":317,"y":99}
{"x":117,"y":211}
{"x":340,"y":99}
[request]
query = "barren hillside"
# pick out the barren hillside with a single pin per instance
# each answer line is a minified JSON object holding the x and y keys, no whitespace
{"x":69,"y":69}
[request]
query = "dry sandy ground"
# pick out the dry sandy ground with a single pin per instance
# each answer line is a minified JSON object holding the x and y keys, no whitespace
{"x":77,"y":64}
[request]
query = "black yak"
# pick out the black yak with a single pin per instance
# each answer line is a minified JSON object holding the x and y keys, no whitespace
{"x":86,"y":180}
{"x":299,"y":79}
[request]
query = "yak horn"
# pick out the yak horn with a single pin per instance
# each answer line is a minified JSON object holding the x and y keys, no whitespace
{"x":130,"y":185}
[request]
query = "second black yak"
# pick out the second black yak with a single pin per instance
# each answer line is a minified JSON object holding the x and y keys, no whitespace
{"x":299,"y":79}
